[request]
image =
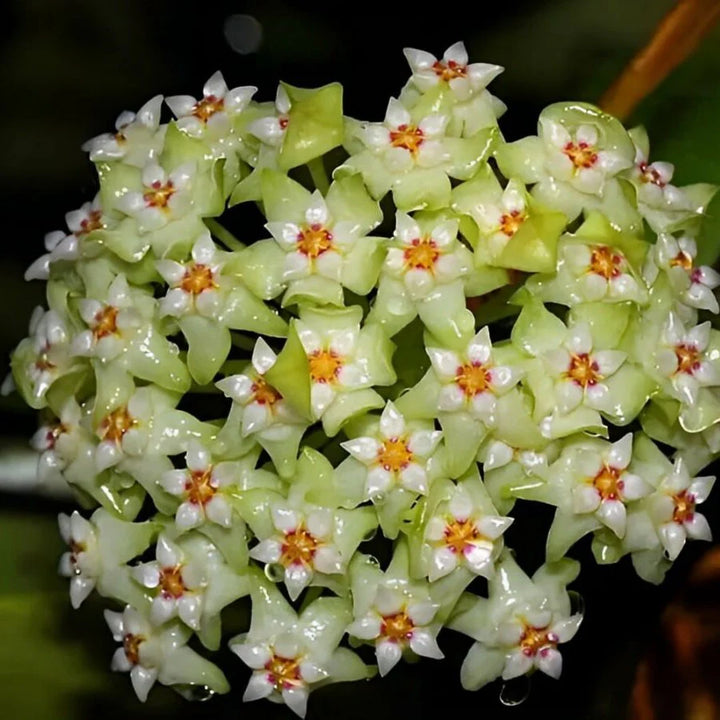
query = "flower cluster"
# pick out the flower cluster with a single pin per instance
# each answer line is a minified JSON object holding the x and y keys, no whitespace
{"x":285,"y":402}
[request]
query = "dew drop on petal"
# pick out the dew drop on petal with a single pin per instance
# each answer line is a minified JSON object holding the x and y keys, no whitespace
{"x":577,"y":603}
{"x":372,"y":560}
{"x":195,"y":693}
{"x":274,"y":572}
{"x":515,"y":692}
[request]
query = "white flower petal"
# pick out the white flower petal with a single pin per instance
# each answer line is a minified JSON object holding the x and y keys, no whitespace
{"x":423,"y":643}
{"x":549,"y":661}
{"x":388,"y":655}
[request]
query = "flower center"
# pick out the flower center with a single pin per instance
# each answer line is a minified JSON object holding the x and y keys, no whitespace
{"x":604,"y":261}
{"x":263,"y":393}
{"x":583,"y":370}
{"x":684,"y":507}
{"x":394,"y":455}
{"x":473,"y":378}
{"x":325,"y":365}
{"x":683,"y":260}
{"x":76,"y":548}
{"x":131,"y":646}
{"x":688,"y":358}
{"x":608,"y":483}
{"x":534,"y":639}
{"x":510,"y":222}
{"x":171,"y":583}
{"x":92,"y":222}
{"x":649,"y":174}
{"x":314,"y":240}
{"x":409,"y":137}
{"x":459,"y":534}
{"x":397,"y":627}
{"x":207,"y":107}
{"x":116,"y":424}
{"x":200,"y":487}
{"x":449,"y":70}
{"x":283,"y":673}
{"x":53,"y":433}
{"x":105,"y":322}
{"x":159,"y":195}
{"x":582,"y":155}
{"x":298,"y":547}
{"x":197,"y":279}
{"x":421,"y":254}
{"x":43,"y":361}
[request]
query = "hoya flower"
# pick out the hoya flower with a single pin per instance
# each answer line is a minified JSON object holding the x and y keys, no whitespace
{"x":151,"y":654}
{"x":211,"y":114}
{"x":81,"y":563}
{"x":271,"y":129}
{"x":463,"y":529}
{"x":579,"y":371}
{"x":530,"y":618}
{"x":138,"y":138}
{"x":200,"y":487}
{"x":397,"y":455}
{"x":463,"y":78}
{"x":676,"y":256}
{"x":303,"y":543}
{"x":291,"y":654}
{"x":673,"y":509}
{"x":393,"y":614}
{"x":165,"y":196}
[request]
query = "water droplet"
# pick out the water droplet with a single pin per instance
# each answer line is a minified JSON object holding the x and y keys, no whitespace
{"x":372,"y":560}
{"x":370,"y":534}
{"x":274,"y":572}
{"x":515,"y":692}
{"x":379,"y":499}
{"x":577,"y":602}
{"x":195,"y":693}
{"x":243,"y":33}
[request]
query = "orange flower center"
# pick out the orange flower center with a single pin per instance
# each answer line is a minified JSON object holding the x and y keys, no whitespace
{"x":397,"y":627}
{"x":131,"y":646}
{"x":604,"y":261}
{"x":473,"y":378}
{"x":421,"y":254}
{"x":171,"y":583}
{"x":105,"y":322}
{"x":283,"y":673}
{"x":684,"y":507}
{"x":263,"y":393}
{"x":116,"y":424}
{"x":197,"y":279}
{"x":510,"y":222}
{"x":298,"y":547}
{"x":582,"y":155}
{"x":92,"y":222}
{"x":688,"y":358}
{"x":410,"y":137}
{"x":325,"y":365}
{"x":314,"y":240}
{"x":534,"y":639}
{"x":459,"y":534}
{"x":583,"y":370}
{"x":683,"y":260}
{"x":207,"y":107}
{"x":159,"y":195}
{"x":394,"y":455}
{"x":449,"y":70}
{"x":608,"y":483}
{"x":650,"y":175}
{"x":200,"y":487}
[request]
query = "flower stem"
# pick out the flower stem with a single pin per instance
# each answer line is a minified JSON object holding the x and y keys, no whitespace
{"x":223,"y":235}
{"x":319,"y":174}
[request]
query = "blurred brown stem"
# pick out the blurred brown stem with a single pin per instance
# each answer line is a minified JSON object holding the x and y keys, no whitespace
{"x":676,"y":37}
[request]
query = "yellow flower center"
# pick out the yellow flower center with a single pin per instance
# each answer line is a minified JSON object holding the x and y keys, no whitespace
{"x":397,"y":627}
{"x":116,"y":424}
{"x":604,"y":261}
{"x":298,"y":547}
{"x":325,"y":365}
{"x":683,"y":260}
{"x":197,"y":279}
{"x":314,"y":240}
{"x":608,"y":483}
{"x":684,"y":507}
{"x":582,"y":155}
{"x":283,"y":673}
{"x":159,"y":195}
{"x":171,"y":583}
{"x":449,"y":70}
{"x":534,"y":639}
{"x":421,"y":254}
{"x":105,"y":322}
{"x":394,"y":454}
{"x":688,"y":358}
{"x":583,"y":370}
{"x":131,"y":646}
{"x":459,"y":534}
{"x":410,"y":137}
{"x":473,"y":378}
{"x":204,"y":109}
{"x":511,"y":222}
{"x":264,"y":393}
{"x":200,"y":487}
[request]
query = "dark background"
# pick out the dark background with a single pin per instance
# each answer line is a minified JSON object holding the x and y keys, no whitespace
{"x":67,"y":68}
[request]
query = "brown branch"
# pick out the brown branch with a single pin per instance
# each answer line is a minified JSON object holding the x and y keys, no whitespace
{"x":676,"y":37}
